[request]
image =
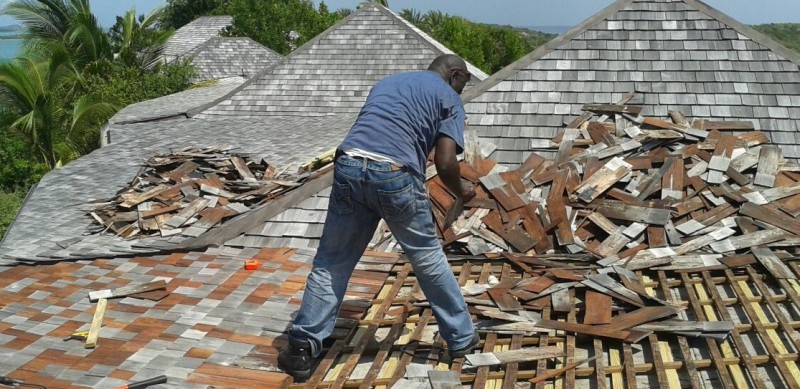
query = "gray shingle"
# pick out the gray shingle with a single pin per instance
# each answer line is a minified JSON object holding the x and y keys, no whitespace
{"x":334,"y":72}
{"x":194,"y":34}
{"x":674,"y":55}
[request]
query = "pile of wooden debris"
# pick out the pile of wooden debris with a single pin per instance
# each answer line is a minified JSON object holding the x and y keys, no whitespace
{"x":623,"y":193}
{"x":190,"y":191}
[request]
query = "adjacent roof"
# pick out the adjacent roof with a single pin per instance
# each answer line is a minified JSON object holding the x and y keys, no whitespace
{"x":194,"y":34}
{"x":53,"y":221}
{"x":335,"y":71}
{"x":221,"y":58}
{"x":181,"y":104}
{"x":679,"y":55}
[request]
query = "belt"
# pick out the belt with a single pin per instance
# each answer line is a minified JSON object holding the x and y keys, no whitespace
{"x":394,"y":167}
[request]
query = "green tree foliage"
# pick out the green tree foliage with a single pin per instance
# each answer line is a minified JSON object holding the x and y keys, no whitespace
{"x":179,"y":13}
{"x":18,"y":171}
{"x":281,"y":25}
{"x":787,"y":34}
{"x":10,"y":202}
{"x":72,"y":76}
{"x":138,"y":42}
{"x":124,"y":85}
{"x":488,"y":47}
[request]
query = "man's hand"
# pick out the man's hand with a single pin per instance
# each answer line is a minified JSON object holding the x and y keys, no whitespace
{"x":467,"y":193}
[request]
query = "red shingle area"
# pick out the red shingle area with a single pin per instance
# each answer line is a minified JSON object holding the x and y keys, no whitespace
{"x":216,"y":321}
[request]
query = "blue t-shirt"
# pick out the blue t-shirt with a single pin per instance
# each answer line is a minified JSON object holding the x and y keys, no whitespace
{"x":403,"y":117}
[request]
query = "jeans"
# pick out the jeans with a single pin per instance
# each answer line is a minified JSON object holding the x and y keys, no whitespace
{"x":364,"y":192}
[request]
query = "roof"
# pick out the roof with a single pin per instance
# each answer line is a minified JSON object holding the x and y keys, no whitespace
{"x":334,"y":72}
{"x":179,"y":104}
{"x":194,"y":34}
{"x":680,"y":55}
{"x":216,"y":313}
{"x":222,"y":57}
{"x":53,"y":222}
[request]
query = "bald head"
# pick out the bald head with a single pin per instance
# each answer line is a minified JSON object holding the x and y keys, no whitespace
{"x":446,"y":63}
{"x":453,"y":70}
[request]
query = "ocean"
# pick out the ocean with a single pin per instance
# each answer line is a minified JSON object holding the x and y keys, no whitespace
{"x":9,"y":48}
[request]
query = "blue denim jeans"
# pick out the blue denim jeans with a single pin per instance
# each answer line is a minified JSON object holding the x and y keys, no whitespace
{"x":363,"y":193}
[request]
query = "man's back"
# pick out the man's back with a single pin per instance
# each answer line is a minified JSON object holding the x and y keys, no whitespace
{"x":403,"y":116}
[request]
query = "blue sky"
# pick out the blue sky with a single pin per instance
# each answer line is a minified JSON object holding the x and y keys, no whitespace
{"x":514,"y":12}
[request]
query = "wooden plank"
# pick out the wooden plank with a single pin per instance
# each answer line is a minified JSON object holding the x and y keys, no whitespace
{"x":536,"y":284}
{"x":514,"y":236}
{"x":584,"y":329}
{"x":619,"y":210}
{"x":598,"y":308}
{"x":603,"y":283}
{"x":613,"y":244}
{"x":602,"y":180}
{"x":128,"y":290}
{"x":521,"y":355}
{"x":561,"y":301}
{"x":532,"y":162}
{"x":244,"y":171}
{"x":772,"y":263}
{"x":187,"y":213}
{"x":768,"y":160}
{"x":557,"y":372}
{"x":770,"y":216}
{"x":722,"y":153}
{"x":97,"y":322}
{"x":505,"y":302}
{"x":502,"y":192}
{"x":749,"y":240}
{"x":247,"y":221}
{"x":656,"y":236}
{"x":237,"y":377}
{"x":672,"y":181}
{"x":444,"y":379}
{"x":599,"y":133}
{"x":640,"y":316}
{"x":131,"y":199}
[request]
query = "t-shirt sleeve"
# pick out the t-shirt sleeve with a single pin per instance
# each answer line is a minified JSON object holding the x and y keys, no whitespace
{"x":452,"y":126}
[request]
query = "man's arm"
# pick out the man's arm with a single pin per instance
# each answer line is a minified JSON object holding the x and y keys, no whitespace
{"x":448,"y":169}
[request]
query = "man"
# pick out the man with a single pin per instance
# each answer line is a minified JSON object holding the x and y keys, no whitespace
{"x":380,"y":174}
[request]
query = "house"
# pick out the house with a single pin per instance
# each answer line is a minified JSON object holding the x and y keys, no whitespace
{"x":217,"y":314}
{"x":221,"y":325}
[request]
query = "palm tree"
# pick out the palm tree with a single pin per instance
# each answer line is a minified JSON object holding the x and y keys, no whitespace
{"x":138,"y":42}
{"x":33,"y":107}
{"x":412,"y":16}
{"x":70,"y":24}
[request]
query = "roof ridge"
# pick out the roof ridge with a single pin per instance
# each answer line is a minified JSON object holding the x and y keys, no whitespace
{"x":427,"y":39}
{"x":543,"y":50}
{"x":618,"y":5}
{"x":268,"y":69}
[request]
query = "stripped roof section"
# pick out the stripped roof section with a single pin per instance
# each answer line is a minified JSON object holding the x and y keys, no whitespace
{"x":680,"y":55}
{"x":334,"y":72}
{"x":223,"y":57}
{"x":194,"y":34}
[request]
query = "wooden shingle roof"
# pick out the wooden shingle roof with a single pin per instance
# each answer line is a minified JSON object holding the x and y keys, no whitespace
{"x":334,"y":72}
{"x":226,"y":57}
{"x":194,"y":34}
{"x":678,"y":55}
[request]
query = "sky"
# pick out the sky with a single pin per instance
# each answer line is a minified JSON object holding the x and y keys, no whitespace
{"x":520,"y":13}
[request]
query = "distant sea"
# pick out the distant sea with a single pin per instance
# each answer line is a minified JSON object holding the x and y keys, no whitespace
{"x":9,"y":45}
